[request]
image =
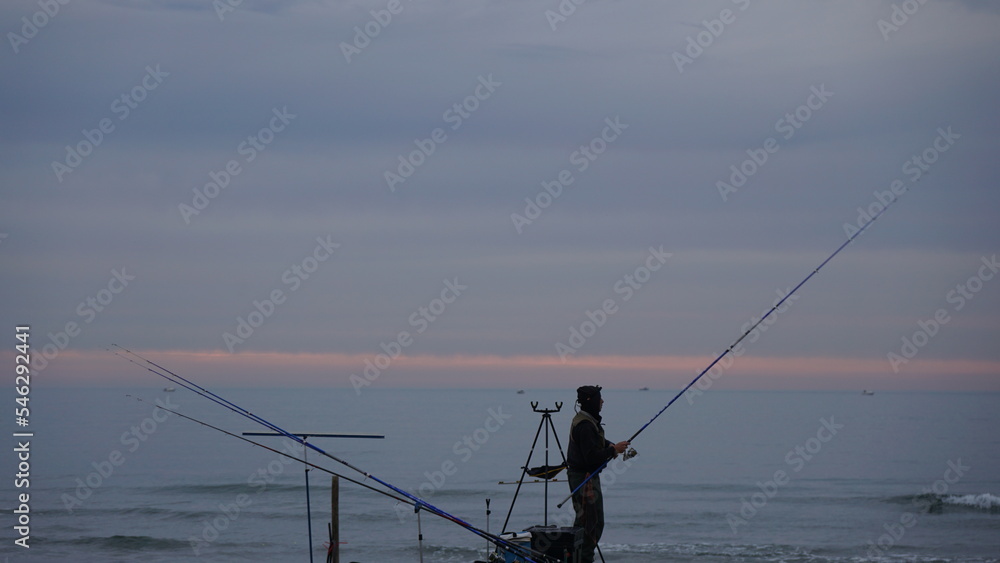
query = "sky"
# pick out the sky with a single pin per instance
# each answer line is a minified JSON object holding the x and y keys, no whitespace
{"x":503,"y":193}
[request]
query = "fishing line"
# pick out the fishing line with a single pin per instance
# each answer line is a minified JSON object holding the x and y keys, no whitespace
{"x":776,"y":306}
{"x":415,"y":501}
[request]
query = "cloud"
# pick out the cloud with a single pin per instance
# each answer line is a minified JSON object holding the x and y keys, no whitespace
{"x":325,"y":175}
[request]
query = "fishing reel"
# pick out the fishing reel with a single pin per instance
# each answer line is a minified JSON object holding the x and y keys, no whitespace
{"x":629,"y":454}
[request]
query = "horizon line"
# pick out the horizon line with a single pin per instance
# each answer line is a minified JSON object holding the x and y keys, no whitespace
{"x":322,"y":369}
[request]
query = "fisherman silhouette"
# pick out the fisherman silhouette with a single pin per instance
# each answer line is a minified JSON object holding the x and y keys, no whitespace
{"x":587,"y":453}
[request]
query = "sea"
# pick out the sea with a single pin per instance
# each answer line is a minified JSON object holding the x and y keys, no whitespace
{"x":723,"y":476}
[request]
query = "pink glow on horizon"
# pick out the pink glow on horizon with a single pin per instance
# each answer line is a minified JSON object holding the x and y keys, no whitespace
{"x":489,"y":371}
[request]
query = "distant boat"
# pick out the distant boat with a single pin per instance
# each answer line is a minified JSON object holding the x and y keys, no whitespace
{"x":867,"y":392}
{"x":644,"y":389}
{"x":520,"y":391}
{"x":169,"y":389}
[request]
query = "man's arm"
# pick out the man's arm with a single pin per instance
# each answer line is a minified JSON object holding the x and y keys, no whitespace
{"x":595,"y":450}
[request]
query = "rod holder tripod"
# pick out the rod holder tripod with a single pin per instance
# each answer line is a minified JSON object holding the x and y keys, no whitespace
{"x":546,"y":423}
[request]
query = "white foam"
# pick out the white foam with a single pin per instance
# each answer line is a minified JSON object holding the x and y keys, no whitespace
{"x":984,"y":501}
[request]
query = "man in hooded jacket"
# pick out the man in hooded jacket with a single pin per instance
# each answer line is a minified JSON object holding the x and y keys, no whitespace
{"x":587,"y":452}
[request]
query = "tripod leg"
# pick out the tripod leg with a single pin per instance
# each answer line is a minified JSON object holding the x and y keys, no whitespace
{"x":524,"y":472}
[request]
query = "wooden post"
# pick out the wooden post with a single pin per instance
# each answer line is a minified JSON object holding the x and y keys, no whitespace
{"x":335,"y":519}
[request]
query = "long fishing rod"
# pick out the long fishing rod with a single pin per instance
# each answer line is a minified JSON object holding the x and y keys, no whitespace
{"x":194,"y":387}
{"x":286,"y":454}
{"x":412,"y":500}
{"x":417,"y":502}
{"x":728,"y":350}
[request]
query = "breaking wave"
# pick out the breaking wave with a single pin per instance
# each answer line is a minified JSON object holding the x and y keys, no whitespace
{"x":985,"y":502}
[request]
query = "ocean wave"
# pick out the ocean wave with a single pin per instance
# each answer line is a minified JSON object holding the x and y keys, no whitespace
{"x":225,"y":488}
{"x":933,"y":503}
{"x":199,"y":489}
{"x":431,"y":551}
{"x":130,"y":543}
{"x":985,"y":501}
{"x":714,"y":552}
{"x":165,"y":513}
{"x":764,"y":553}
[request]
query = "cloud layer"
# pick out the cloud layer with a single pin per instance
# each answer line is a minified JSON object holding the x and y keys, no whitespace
{"x":533,"y":155}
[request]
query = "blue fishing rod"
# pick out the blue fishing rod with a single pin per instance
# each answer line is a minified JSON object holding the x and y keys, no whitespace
{"x":279,"y":452}
{"x":728,"y":350}
{"x":418,"y":503}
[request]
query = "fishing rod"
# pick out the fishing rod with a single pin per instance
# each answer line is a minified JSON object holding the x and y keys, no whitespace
{"x":415,"y":501}
{"x":191,"y":386}
{"x":728,"y":350}
{"x":286,"y":454}
{"x":194,"y":387}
